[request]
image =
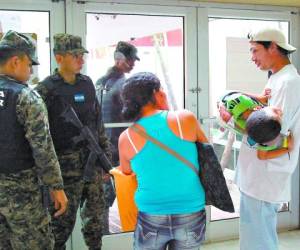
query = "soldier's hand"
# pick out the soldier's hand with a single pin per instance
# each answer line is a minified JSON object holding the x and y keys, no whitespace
{"x":60,"y":201}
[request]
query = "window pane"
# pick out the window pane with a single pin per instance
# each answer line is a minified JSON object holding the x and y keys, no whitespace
{"x":35,"y":23}
{"x":159,"y":41}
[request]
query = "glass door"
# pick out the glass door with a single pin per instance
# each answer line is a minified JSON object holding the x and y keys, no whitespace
{"x":231,"y":68}
{"x":159,"y":41}
{"x":161,"y":36}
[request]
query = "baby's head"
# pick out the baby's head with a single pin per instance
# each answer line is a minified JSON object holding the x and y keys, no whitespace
{"x":264,"y":125}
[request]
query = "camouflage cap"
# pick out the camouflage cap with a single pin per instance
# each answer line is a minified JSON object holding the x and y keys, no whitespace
{"x":66,"y":43}
{"x":128,"y":50}
{"x":20,"y":42}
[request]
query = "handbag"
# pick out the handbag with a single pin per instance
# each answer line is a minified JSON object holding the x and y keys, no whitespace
{"x":212,"y":178}
{"x":210,"y":172}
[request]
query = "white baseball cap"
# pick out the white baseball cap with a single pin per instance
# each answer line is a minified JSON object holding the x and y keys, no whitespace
{"x":271,"y":35}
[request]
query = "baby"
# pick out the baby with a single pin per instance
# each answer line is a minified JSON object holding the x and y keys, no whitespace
{"x":247,"y":115}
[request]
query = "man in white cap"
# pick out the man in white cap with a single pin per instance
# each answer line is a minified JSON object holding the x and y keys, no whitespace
{"x":266,"y":182}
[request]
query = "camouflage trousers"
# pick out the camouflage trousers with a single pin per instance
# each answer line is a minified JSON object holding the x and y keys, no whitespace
{"x":91,"y":213}
{"x":24,"y":223}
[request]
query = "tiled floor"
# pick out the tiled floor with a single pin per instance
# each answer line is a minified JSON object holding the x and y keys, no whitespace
{"x":287,"y":241}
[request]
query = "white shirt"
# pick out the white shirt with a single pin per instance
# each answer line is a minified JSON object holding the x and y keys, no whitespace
{"x":270,"y":180}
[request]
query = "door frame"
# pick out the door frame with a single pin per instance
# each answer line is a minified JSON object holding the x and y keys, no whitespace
{"x":78,"y":26}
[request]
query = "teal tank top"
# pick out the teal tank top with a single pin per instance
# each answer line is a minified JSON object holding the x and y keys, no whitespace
{"x":165,"y":184}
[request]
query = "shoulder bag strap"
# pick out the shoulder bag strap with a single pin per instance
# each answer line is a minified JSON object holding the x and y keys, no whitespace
{"x":164,"y":147}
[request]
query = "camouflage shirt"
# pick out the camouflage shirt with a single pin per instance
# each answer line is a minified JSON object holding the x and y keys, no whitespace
{"x":32,"y":114}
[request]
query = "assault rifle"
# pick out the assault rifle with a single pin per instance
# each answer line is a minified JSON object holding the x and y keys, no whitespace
{"x":96,"y":152}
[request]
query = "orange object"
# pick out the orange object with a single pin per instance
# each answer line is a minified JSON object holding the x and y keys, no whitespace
{"x":126,"y":186}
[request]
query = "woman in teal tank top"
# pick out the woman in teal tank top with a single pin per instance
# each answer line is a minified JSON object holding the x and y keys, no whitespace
{"x":170,"y":197}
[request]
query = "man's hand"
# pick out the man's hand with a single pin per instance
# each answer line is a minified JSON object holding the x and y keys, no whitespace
{"x":60,"y":201}
{"x":290,"y":142}
{"x":265,"y":96}
{"x":265,"y":155}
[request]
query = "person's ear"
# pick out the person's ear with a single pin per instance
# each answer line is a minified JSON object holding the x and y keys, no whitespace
{"x":161,"y":100}
{"x":273,"y":48}
{"x":14,"y":61}
{"x":156,"y":96}
{"x":59,"y":58}
{"x":117,"y":63}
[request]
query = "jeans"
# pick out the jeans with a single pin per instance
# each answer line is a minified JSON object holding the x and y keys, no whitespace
{"x":258,"y":221}
{"x":178,"y":232}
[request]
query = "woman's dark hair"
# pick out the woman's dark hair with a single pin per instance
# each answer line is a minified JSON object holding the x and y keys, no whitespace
{"x":261,"y":127}
{"x":138,"y":91}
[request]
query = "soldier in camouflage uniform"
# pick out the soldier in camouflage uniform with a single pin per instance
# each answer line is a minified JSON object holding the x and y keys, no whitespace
{"x":108,"y":92}
{"x":70,"y":87}
{"x":27,"y":155}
